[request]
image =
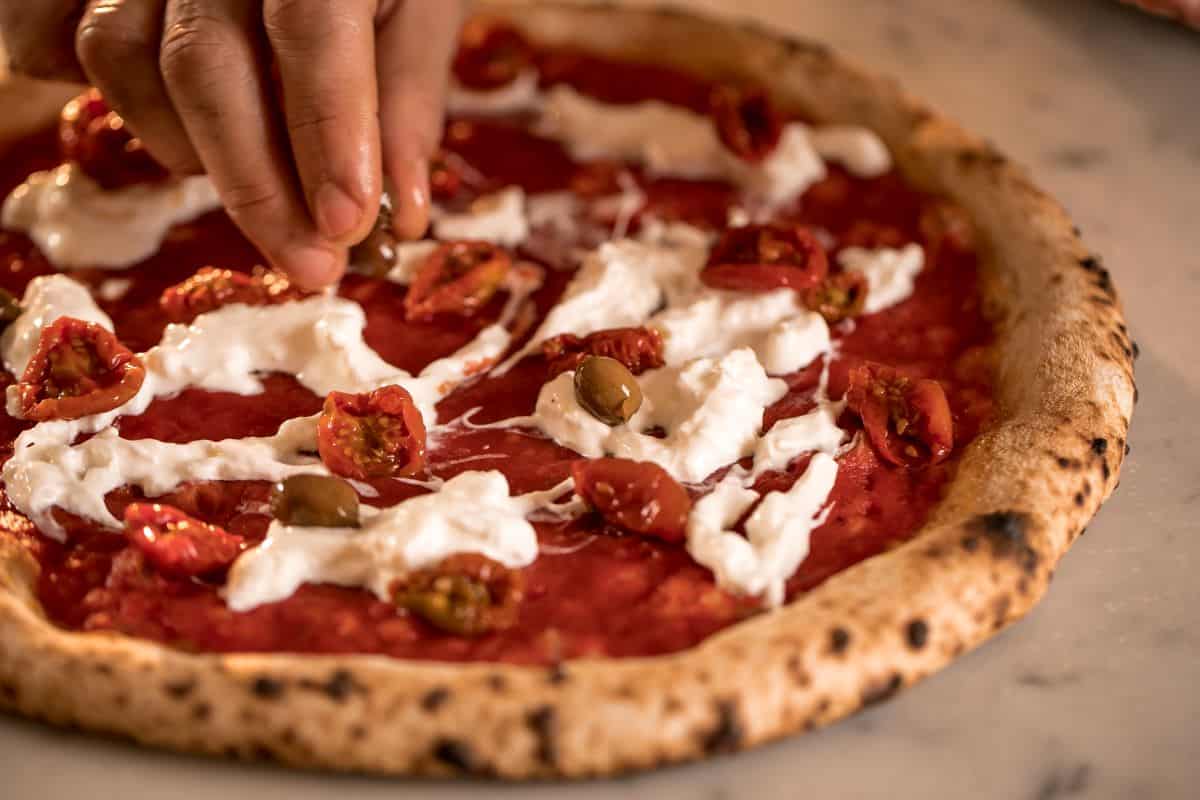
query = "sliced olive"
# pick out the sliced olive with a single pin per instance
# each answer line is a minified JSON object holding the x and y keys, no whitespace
{"x":377,"y":253}
{"x":315,"y":501}
{"x":454,"y":603}
{"x":607,"y":390}
{"x":10,"y":307}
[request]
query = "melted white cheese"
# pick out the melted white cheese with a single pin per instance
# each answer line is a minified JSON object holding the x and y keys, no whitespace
{"x":47,"y":298}
{"x":519,"y":96}
{"x":497,"y":218}
{"x":673,"y":141}
{"x":859,"y":150}
{"x":816,"y":431}
{"x":408,"y":258}
{"x":891,"y":274}
{"x":391,"y":542}
{"x":77,"y":223}
{"x":113,"y":289}
{"x":710,"y":409}
{"x":48,"y":472}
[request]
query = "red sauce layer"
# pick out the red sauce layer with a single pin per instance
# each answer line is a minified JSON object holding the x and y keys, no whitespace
{"x":593,"y":590}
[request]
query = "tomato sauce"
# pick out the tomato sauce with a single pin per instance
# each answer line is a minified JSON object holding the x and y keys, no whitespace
{"x":593,"y":591}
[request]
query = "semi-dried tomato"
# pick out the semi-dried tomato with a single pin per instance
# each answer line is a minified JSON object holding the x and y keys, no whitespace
{"x":178,"y":545}
{"x":907,"y":419}
{"x":95,"y":137}
{"x":466,"y":594}
{"x":211,"y":288}
{"x":78,"y":369}
{"x":491,"y":55}
{"x":746,"y":122}
{"x":379,"y":434}
{"x":759,"y":258}
{"x":840,"y":296}
{"x":457,"y":278}
{"x":637,"y":496}
{"x":639,"y":349}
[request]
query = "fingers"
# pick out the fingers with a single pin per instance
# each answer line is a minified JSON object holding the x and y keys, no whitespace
{"x":211,"y":61}
{"x":39,"y":38}
{"x":326,"y":56}
{"x":415,"y":45}
{"x":117,"y":43}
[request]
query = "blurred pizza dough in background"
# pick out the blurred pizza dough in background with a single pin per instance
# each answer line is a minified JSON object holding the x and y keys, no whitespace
{"x":1187,"y":11}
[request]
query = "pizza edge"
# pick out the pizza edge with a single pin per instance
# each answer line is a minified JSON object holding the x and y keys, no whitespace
{"x":1024,"y":492}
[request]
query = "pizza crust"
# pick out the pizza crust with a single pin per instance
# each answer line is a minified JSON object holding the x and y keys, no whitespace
{"x":1024,"y":492}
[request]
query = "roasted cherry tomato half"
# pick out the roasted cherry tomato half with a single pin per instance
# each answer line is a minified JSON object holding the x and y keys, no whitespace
{"x":211,"y":288}
{"x":95,"y":137}
{"x":178,"y":545}
{"x":840,"y":296}
{"x":746,"y":122}
{"x":636,"y":496}
{"x":78,"y":369}
{"x":491,"y":55}
{"x":465,"y":594}
{"x":639,"y":349}
{"x":907,"y":419}
{"x":457,"y":278}
{"x":379,"y":434}
{"x":759,"y":258}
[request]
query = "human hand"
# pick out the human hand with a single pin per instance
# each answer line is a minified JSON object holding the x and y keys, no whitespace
{"x":361,"y":81}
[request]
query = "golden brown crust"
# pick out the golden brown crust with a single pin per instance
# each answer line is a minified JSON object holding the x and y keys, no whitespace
{"x":1024,"y":492}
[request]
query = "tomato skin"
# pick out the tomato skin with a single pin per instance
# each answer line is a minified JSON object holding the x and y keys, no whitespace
{"x":78,"y":369}
{"x":457,"y":278}
{"x":746,"y":122}
{"x":842,"y":296}
{"x":466,"y":594}
{"x":178,"y":545}
{"x":95,"y":137}
{"x":211,"y":288}
{"x":639,"y":349}
{"x":490,"y":55}
{"x":760,"y":258}
{"x":908,"y":420}
{"x":379,"y":434}
{"x":637,"y":496}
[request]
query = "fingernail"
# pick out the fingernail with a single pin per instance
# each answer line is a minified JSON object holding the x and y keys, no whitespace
{"x":410,"y":198}
{"x":312,"y":267}
{"x":337,"y":214}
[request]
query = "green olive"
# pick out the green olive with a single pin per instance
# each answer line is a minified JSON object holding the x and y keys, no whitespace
{"x":607,"y":390}
{"x":315,"y":501}
{"x":10,"y":308}
{"x":377,"y":253}
{"x":453,"y":603}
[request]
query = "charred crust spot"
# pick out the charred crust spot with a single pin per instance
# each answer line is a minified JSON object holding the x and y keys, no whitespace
{"x":970,"y":543}
{"x":358,"y":732}
{"x":435,"y":698}
{"x":557,"y":675}
{"x":340,"y":685}
{"x":267,"y":688}
{"x":1023,"y":584}
{"x":1001,"y":606}
{"x":1135,"y":349}
{"x":103,"y":668}
{"x":456,"y":754}
{"x":497,"y":682}
{"x":8,"y":692}
{"x":543,"y":722}
{"x":1099,"y":445}
{"x":1105,"y":470}
{"x":1063,"y":462}
{"x":727,"y":734}
{"x":880,"y":691}
{"x":1007,"y":531}
{"x":1079,"y":499}
{"x":917,"y":633}
{"x":1090,"y":263}
{"x":795,"y":667}
{"x":986,"y":155}
{"x":839,"y":640}
{"x":672,"y":705}
{"x":121,"y":700}
{"x":201,"y":711}
{"x":179,"y":689}
{"x":1127,"y":448}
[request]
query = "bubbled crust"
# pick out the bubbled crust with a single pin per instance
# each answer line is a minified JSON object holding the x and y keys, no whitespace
{"x":1024,"y":491}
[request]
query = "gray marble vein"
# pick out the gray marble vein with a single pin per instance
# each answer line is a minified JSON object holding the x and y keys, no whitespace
{"x":1095,"y":694}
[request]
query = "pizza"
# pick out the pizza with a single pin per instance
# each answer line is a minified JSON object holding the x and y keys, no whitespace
{"x":732,"y":391}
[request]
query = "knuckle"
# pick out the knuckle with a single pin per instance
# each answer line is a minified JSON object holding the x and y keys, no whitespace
{"x":193,"y":49}
{"x":288,"y":22}
{"x":248,"y":200}
{"x":101,"y":42}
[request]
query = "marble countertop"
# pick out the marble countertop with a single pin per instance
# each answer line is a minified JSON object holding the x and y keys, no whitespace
{"x":1095,"y":694}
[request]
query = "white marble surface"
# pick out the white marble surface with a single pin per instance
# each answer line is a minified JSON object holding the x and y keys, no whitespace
{"x":1095,"y":694}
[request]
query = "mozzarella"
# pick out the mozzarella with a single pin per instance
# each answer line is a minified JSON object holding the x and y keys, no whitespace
{"x":497,"y":218}
{"x":891,"y":274}
{"x":77,"y":223}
